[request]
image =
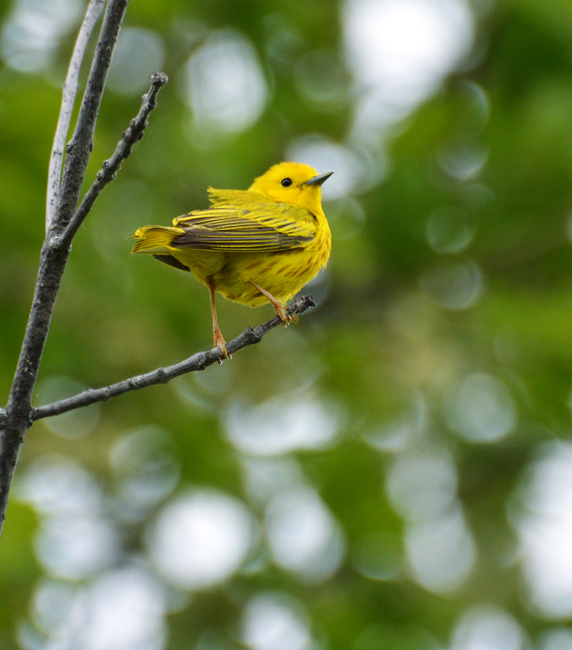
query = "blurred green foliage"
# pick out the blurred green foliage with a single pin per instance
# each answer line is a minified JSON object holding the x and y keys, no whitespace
{"x":419,"y":413}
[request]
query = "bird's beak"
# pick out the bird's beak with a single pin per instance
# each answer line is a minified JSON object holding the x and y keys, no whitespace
{"x":320,"y":179}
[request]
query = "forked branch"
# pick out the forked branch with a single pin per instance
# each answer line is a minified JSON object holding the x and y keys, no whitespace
{"x":111,"y":166}
{"x":65,"y":180}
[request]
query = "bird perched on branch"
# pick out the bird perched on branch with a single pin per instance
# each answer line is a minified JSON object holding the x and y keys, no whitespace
{"x":253,"y":246}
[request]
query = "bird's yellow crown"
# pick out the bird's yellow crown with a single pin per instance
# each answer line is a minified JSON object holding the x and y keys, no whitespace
{"x":287,"y":182}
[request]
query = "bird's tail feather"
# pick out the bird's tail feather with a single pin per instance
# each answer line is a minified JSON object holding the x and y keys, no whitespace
{"x":155,"y":240}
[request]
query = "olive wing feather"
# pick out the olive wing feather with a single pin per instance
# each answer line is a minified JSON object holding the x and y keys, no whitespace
{"x":241,"y":221}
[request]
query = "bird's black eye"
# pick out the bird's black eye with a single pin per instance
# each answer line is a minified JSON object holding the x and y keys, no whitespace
{"x":286,"y":182}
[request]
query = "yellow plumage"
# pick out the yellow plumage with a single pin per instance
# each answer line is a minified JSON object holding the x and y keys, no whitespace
{"x":252,"y":246}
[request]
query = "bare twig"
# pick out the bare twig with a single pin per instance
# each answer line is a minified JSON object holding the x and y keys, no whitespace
{"x":68,"y":100}
{"x":198,"y":361}
{"x":123,"y":150}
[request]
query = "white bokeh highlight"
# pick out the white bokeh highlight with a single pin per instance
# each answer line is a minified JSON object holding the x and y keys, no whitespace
{"x":33,"y":30}
{"x":422,"y":483}
{"x":200,"y":539}
{"x":488,"y":627}
{"x":544,"y":526}
{"x":225,"y":85}
{"x":441,"y":551}
{"x":302,"y":534}
{"x":281,"y":425}
{"x":399,"y":51}
{"x":75,"y":538}
{"x":76,"y":547}
{"x":482,"y":409}
{"x":120,"y":609}
{"x":275,"y":621}
{"x":559,"y":638}
{"x":59,"y":486}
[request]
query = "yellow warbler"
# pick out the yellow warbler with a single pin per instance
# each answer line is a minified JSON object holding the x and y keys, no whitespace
{"x":253,"y":246}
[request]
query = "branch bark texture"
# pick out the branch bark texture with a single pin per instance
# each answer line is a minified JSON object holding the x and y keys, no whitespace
{"x":79,"y":148}
{"x":68,"y":100}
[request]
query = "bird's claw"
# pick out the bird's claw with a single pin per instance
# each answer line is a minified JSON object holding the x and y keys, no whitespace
{"x":284,"y":316}
{"x":220,"y":343}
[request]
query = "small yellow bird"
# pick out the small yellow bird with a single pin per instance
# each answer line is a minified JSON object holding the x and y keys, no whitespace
{"x":253,"y":246}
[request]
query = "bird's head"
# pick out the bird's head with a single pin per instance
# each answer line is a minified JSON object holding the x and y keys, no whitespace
{"x":293,"y":183}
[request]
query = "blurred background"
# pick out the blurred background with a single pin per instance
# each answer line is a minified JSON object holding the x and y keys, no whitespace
{"x":394,"y":472}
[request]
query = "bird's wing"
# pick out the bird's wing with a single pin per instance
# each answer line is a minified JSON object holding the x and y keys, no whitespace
{"x":239,"y":223}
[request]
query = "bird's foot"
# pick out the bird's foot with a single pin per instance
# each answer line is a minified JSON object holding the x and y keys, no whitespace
{"x":220,"y":343}
{"x":284,"y":316}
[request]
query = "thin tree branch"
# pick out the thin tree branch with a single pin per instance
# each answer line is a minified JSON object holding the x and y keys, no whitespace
{"x":53,"y":258}
{"x":80,"y":147}
{"x":123,"y":150}
{"x":199,"y":361}
{"x":68,"y":100}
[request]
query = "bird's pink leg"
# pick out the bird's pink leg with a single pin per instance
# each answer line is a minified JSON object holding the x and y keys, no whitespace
{"x":218,"y":338}
{"x":278,"y":306}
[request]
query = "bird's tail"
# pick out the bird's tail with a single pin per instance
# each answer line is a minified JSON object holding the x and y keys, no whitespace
{"x":155,"y":240}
